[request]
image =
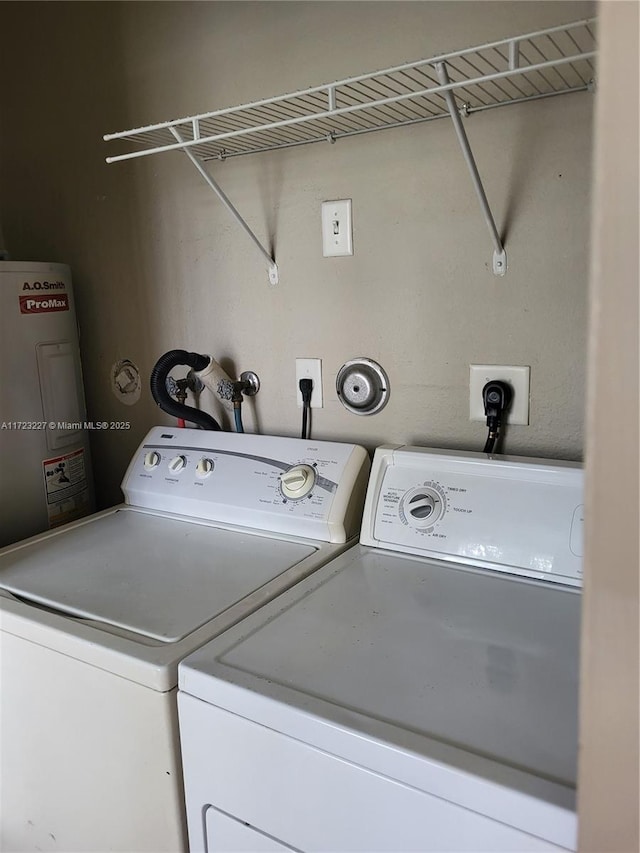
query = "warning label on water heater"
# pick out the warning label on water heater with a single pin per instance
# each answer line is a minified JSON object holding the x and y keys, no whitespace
{"x":65,"y":480}
{"x":39,"y":303}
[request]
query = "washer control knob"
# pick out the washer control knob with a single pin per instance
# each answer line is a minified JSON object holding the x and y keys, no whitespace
{"x":151,"y":460}
{"x":204,"y":467}
{"x":297,"y":481}
{"x":177,"y":464}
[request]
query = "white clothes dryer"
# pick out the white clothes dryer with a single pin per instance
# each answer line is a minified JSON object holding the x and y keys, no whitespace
{"x":96,"y":616}
{"x":419,"y":692}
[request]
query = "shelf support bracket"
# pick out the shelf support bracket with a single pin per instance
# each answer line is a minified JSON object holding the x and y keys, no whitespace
{"x":272,"y":266}
{"x":499,"y":254}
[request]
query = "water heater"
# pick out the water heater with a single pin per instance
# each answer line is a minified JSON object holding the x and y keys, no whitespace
{"x":45,"y":472}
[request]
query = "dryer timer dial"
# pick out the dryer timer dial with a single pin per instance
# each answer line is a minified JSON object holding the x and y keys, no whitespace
{"x":422,"y":507}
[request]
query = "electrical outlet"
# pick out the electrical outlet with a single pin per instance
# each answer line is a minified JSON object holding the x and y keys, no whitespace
{"x":310,"y":368}
{"x":337,"y":234}
{"x":518,"y":380}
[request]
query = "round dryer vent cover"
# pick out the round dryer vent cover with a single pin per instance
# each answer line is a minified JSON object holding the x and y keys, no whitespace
{"x":362,"y":386}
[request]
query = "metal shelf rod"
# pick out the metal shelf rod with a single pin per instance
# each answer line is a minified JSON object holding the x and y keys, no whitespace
{"x":499,"y":257}
{"x":442,"y":89}
{"x":273,"y":268}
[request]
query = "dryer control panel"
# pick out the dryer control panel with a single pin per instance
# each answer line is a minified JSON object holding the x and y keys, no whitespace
{"x":293,"y":486}
{"x":511,"y":514}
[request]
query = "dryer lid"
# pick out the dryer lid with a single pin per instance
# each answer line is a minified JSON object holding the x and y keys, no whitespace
{"x":482,"y":661}
{"x":154,"y":576}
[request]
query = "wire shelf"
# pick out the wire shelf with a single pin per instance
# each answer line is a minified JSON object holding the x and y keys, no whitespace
{"x":536,"y":65}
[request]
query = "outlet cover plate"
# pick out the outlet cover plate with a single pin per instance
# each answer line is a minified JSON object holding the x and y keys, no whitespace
{"x":310,"y":368}
{"x":337,"y":231}
{"x":515,"y":376}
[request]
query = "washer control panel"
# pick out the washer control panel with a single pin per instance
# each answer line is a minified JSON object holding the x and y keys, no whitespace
{"x":511,"y":514}
{"x":286,"y":485}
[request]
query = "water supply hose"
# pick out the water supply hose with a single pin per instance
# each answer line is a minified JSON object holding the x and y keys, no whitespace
{"x":237,"y":417}
{"x":231,"y":392}
{"x":165,"y":401}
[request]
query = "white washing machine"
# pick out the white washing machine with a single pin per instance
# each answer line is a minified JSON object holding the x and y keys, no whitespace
{"x":419,"y":692}
{"x":96,"y":616}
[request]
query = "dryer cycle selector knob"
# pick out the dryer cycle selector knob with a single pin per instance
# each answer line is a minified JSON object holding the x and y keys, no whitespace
{"x":177,"y":464}
{"x":204,"y":467}
{"x":422,"y":507}
{"x":151,"y":460}
{"x":297,"y":481}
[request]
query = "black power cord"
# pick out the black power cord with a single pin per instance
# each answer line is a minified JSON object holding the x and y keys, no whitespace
{"x":306,"y":388}
{"x":497,"y":398}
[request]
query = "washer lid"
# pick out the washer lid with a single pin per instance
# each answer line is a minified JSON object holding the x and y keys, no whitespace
{"x":151,"y":575}
{"x":484,"y":662}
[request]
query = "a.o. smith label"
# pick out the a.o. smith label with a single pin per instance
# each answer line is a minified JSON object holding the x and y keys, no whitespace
{"x":41,"y":304}
{"x":43,"y":285}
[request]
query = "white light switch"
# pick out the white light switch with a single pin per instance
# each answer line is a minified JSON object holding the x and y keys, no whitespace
{"x":337,"y":232}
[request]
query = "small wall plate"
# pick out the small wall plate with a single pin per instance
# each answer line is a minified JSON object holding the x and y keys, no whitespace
{"x":362,"y":386}
{"x":125,"y":382}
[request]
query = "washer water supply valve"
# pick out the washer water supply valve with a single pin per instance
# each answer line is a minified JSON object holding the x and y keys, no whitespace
{"x":248,"y":384}
{"x":227,"y":389}
{"x":179,"y":388}
{"x":205,"y":373}
{"x":158,"y":385}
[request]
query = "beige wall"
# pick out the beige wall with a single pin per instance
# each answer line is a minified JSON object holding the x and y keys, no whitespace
{"x":608,"y":772}
{"x":158,"y":263}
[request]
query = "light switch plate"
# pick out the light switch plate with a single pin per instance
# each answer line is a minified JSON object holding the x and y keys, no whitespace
{"x":337,"y":231}
{"x":517,"y":377}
